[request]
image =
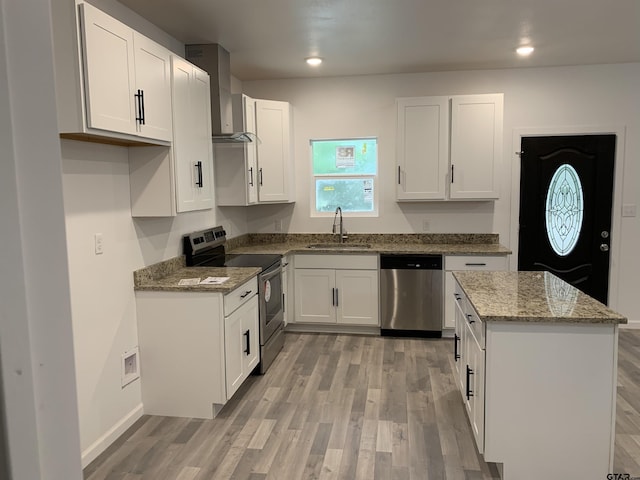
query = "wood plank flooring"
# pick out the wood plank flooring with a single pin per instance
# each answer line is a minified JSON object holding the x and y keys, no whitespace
{"x":341,"y":407}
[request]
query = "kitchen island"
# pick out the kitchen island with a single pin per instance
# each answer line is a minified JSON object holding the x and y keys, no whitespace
{"x":536,"y":363}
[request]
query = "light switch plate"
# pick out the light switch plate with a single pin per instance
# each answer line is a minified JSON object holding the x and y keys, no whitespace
{"x":98,"y":242}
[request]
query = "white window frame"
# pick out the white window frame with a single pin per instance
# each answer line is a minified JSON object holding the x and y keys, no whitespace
{"x":374,"y":177}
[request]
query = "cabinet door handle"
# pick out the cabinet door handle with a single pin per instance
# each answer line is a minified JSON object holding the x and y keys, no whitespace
{"x":337,"y":297}
{"x":244,"y":295}
{"x":399,"y":175}
{"x":284,"y":304}
{"x":251,"y":176}
{"x":333,"y":297}
{"x":476,"y":264}
{"x":456,"y":339}
{"x":139,"y":113}
{"x":260,"y":176}
{"x":458,"y":297}
{"x":470,"y":318}
{"x":469,"y":391}
{"x":199,"y":169}
{"x":247,"y":335}
{"x":451,"y":173}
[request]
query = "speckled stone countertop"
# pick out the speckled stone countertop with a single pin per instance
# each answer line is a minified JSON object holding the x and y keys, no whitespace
{"x":531,"y":297}
{"x":445,"y":244}
{"x":164,"y":276}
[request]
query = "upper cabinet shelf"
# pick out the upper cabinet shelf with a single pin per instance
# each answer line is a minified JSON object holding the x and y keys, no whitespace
{"x":449,"y":148}
{"x":113,"y":84}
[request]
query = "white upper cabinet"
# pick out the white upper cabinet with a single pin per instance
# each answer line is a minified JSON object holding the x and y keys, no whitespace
{"x":260,"y":171}
{"x":275,"y":168}
{"x":126,"y":81}
{"x":166,"y":181}
{"x":476,"y":146}
{"x":422,"y":148}
{"x":449,"y":148}
{"x":192,"y":147}
{"x":236,"y":165}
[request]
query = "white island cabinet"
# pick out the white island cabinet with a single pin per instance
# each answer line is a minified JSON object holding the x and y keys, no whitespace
{"x":536,"y":363}
{"x":196,"y":348}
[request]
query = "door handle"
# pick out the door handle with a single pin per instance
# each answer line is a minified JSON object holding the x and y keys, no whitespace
{"x":399,"y":175}
{"x":247,"y":292}
{"x":251,"y":177}
{"x":469,"y":392}
{"x":260,"y":176}
{"x":604,"y":247}
{"x":456,"y":339}
{"x":333,"y":297}
{"x":337,"y":297}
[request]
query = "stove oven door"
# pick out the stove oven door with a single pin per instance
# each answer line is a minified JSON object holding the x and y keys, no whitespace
{"x":271,"y":302}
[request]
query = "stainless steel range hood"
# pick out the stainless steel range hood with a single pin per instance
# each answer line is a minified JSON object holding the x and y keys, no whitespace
{"x":215,"y":60}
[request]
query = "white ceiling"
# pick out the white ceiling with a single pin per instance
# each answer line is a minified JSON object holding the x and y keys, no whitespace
{"x":271,"y":38}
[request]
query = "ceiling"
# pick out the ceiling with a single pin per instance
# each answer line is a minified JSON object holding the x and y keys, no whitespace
{"x":271,"y":38}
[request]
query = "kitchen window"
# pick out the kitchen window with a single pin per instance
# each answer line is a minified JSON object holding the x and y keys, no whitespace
{"x":345,"y":175}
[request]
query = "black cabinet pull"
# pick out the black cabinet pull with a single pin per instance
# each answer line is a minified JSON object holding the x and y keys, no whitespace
{"x":458,"y":297}
{"x":246,"y":293}
{"x":456,"y":339}
{"x":337,"y":297}
{"x":139,"y":115}
{"x":476,"y":264}
{"x":469,"y":391}
{"x":199,"y":169}
{"x":470,"y":317}
{"x":247,"y":335}
{"x":260,"y":176}
{"x":451,"y":173}
{"x":333,"y":297}
{"x":284,"y":304}
{"x":142,"y":101}
{"x":399,"y":175}
{"x":251,"y":177}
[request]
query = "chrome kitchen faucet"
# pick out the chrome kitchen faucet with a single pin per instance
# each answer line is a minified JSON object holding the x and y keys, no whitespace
{"x":342,"y":231}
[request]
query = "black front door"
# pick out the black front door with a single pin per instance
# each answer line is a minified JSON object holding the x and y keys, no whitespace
{"x":566,"y":188}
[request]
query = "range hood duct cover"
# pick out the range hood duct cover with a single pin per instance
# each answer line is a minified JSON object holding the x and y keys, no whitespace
{"x":216,"y":61}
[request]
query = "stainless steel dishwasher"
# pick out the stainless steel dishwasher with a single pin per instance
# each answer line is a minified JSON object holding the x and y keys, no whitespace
{"x":411,"y":295}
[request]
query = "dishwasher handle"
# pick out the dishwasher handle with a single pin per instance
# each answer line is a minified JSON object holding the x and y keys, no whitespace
{"x":411,"y":262}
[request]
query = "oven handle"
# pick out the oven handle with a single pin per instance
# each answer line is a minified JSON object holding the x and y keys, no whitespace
{"x":271,"y":272}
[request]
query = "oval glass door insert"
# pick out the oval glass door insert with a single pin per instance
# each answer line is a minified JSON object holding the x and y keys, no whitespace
{"x":564,"y":210}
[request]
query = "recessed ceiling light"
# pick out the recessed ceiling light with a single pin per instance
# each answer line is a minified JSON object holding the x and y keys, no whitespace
{"x":524,"y":51}
{"x":313,"y":61}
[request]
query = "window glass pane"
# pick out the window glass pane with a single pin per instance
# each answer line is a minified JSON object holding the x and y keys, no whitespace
{"x":565,"y":207}
{"x":350,"y":194}
{"x":356,"y":156}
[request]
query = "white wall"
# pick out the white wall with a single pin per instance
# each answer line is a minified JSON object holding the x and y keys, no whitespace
{"x":594,"y":98}
{"x":96,"y":200}
{"x":35,"y":314}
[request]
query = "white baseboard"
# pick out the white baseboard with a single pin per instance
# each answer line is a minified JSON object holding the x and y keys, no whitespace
{"x":102,"y":443}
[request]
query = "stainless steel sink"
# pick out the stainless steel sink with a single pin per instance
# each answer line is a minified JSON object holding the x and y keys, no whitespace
{"x":340,"y":246}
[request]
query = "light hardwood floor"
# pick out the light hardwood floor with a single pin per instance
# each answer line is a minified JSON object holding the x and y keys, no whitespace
{"x":341,"y":407}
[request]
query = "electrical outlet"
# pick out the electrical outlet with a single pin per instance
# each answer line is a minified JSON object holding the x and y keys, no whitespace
{"x":629,"y":210}
{"x":425,"y":225}
{"x":98,"y":243}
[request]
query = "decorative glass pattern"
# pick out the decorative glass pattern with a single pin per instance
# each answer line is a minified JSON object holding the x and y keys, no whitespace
{"x":564,"y":210}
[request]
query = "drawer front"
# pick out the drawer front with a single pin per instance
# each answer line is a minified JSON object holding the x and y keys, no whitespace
{"x":475,"y":262}
{"x":349,"y":262}
{"x":240,"y":295}
{"x":477,"y":326}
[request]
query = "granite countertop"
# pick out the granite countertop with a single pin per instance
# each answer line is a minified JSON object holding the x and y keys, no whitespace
{"x":531,"y":297}
{"x":444,"y":244}
{"x":165,"y":276}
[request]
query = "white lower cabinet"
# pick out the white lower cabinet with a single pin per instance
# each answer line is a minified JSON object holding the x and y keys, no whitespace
{"x":194,"y":348}
{"x":336,"y":289}
{"x":242,"y":346}
{"x":465,"y":262}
